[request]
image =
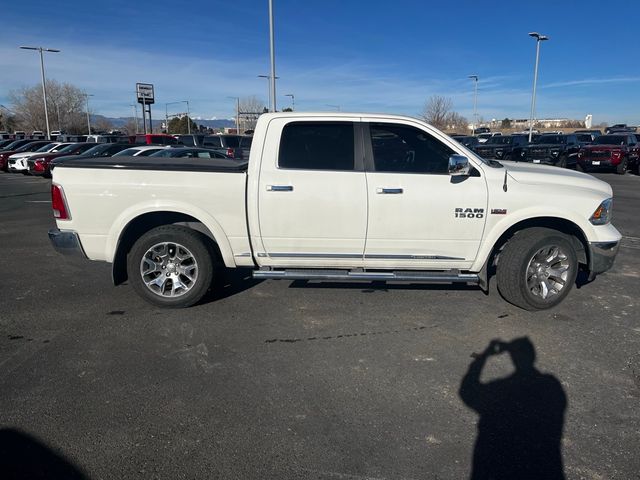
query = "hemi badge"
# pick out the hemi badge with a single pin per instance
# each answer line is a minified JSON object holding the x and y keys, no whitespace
{"x":498,"y":211}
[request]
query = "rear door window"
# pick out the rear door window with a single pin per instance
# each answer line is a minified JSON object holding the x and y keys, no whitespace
{"x":317,"y":146}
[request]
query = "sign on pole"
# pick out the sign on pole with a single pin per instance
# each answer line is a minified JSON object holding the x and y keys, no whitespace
{"x":144,"y":92}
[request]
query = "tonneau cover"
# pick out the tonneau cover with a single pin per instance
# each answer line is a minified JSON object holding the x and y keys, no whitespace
{"x":158,"y":163}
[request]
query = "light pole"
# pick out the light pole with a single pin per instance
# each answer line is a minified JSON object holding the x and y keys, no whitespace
{"x":293,"y":100}
{"x":86,"y":96}
{"x":237,"y":99}
{"x":188,"y":114}
{"x":539,"y":38}
{"x":135,"y":114}
{"x":475,"y":103}
{"x":268,"y":77}
{"x":272,"y":80}
{"x":44,"y":88}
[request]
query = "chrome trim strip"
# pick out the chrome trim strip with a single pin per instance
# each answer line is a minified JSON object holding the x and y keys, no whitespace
{"x":247,"y":254}
{"x":373,"y":256}
{"x":340,"y":275}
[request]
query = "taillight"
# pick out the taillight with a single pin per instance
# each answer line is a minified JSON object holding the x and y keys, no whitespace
{"x":59,"y":203}
{"x":230,"y":152}
{"x":38,"y":166}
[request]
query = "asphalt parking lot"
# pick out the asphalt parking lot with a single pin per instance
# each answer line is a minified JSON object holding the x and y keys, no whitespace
{"x":283,"y":379}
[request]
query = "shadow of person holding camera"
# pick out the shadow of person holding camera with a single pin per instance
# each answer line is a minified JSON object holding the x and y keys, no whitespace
{"x":521,"y":417}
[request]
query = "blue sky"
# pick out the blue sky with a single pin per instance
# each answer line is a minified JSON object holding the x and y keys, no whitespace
{"x":362,"y":55}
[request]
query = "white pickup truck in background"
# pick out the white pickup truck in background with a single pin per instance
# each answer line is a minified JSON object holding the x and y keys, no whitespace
{"x":337,"y":197}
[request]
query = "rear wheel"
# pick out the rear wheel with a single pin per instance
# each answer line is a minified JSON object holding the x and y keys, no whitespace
{"x":171,"y":266}
{"x":537,"y":268}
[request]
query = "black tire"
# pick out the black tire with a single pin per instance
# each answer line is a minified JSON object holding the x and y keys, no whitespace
{"x":518,"y":259}
{"x":187,"y":240}
{"x":562,"y":162}
{"x":581,"y":168}
{"x":622,"y":167}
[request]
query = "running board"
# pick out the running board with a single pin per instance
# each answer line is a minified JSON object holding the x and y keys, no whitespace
{"x":452,"y":276}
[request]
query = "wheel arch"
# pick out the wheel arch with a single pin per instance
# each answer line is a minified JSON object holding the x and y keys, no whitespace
{"x":145,"y":222}
{"x":573,"y":231}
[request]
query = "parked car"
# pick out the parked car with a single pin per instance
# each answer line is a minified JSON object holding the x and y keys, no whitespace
{"x":409,"y":207}
{"x":140,"y":151}
{"x":29,"y":146}
{"x":483,"y":137}
{"x":503,"y":147}
{"x":233,"y":146}
{"x":620,"y":128}
{"x":18,"y":161}
{"x":612,"y":152}
{"x":99,"y":150}
{"x":480,"y":130}
{"x":188,"y":152}
{"x":107,"y":139}
{"x":40,"y":165}
{"x":155,"y":139}
{"x":593,"y":131}
{"x":4,"y":143}
{"x":552,"y":149}
{"x":468,"y":141}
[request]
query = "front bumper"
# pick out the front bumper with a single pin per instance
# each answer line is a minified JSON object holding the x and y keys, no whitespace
{"x":601,"y":256}
{"x":66,"y":242}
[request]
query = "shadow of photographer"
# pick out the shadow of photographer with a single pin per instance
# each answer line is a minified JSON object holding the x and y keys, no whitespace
{"x":521,"y":417}
{"x":23,"y":456}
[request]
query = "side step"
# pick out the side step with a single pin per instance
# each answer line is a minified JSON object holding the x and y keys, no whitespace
{"x":449,"y":276}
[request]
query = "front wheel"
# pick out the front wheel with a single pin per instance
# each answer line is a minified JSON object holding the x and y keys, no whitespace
{"x":562,"y":162}
{"x":622,"y":167}
{"x":171,"y":266}
{"x":537,"y":268}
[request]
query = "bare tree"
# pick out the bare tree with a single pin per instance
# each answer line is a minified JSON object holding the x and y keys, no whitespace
{"x":455,"y":121}
{"x":65,"y":104}
{"x":102,"y":124}
{"x":436,"y":111}
{"x":250,"y":109}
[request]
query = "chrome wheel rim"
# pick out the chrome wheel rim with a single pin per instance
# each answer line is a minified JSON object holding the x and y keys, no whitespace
{"x":169,"y":269}
{"x":548,"y":272}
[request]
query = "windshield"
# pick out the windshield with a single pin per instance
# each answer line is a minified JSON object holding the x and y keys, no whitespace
{"x":127,"y":152}
{"x":30,"y":147}
{"x":232,"y":142}
{"x":584,"y":137}
{"x":551,"y":139}
{"x":47,"y":147}
{"x":611,"y":140}
{"x":97,"y":150}
{"x":163,"y":153}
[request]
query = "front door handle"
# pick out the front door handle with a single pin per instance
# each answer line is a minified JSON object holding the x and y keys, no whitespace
{"x":279,"y":188}
{"x":389,"y":191}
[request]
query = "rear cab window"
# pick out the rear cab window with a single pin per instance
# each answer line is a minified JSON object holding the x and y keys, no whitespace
{"x":317,"y":146}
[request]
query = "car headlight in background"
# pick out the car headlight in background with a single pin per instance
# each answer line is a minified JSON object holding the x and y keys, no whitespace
{"x":602,"y":215}
{"x":555,"y":153}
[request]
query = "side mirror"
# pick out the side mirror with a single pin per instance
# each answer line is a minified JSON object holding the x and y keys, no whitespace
{"x":459,"y":166}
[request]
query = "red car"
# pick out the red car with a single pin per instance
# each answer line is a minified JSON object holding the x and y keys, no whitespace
{"x":19,"y":146}
{"x":40,"y":165}
{"x":616,"y":151}
{"x":155,"y":139}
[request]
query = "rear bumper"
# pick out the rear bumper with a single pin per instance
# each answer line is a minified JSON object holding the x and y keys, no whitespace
{"x":66,"y":242}
{"x":602,"y":256}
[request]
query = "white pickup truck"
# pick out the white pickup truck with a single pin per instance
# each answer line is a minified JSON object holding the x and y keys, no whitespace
{"x":337,"y":197}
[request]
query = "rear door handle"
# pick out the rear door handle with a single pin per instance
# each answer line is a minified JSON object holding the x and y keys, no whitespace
{"x":279,"y":188}
{"x":389,"y":191}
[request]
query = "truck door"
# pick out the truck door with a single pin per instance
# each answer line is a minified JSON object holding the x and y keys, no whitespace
{"x":312,"y":197}
{"x":420,"y":217}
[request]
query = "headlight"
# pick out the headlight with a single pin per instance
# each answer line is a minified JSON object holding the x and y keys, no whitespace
{"x":555,"y":152}
{"x":602,"y":215}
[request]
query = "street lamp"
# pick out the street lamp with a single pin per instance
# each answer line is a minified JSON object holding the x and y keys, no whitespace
{"x":44,"y":88}
{"x":271,"y":102}
{"x":166,"y":114}
{"x":293,"y":100}
{"x":475,"y":103}
{"x":135,"y":114}
{"x":272,"y":51}
{"x":86,"y":96}
{"x":539,"y":38}
{"x":237,"y":99}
